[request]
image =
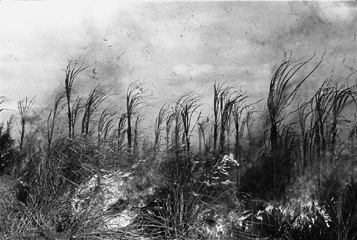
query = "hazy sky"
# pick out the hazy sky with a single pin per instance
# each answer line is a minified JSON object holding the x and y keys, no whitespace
{"x":174,"y":47}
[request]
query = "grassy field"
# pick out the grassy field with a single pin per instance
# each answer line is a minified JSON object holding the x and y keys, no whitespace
{"x":285,"y":171}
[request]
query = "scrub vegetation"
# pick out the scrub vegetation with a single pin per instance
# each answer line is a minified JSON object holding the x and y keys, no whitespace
{"x":285,"y":172}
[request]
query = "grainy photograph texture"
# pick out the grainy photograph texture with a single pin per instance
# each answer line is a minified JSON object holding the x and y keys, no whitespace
{"x":185,"y":120}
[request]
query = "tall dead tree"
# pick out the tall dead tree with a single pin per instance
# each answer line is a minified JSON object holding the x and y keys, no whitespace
{"x":71,"y":72}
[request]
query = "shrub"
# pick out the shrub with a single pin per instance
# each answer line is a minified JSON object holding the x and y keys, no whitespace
{"x":9,"y":154}
{"x":340,"y":198}
{"x":259,"y":179}
{"x":188,"y":201}
{"x":293,"y":221}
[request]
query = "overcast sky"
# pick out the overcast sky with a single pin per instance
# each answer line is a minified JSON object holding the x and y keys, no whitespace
{"x":174,"y":47}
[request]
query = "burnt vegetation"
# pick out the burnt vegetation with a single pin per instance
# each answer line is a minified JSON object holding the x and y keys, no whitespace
{"x":292,"y":175}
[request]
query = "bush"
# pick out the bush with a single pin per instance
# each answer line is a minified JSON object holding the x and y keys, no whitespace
{"x":293,"y":221}
{"x":340,"y":198}
{"x":188,"y":201}
{"x":259,"y":179}
{"x":327,"y":206}
{"x":9,"y":154}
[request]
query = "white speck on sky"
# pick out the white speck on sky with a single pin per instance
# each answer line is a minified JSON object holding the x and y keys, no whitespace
{"x":174,"y":47}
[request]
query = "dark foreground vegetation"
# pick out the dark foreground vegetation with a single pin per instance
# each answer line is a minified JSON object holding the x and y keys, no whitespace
{"x":286,"y":172}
